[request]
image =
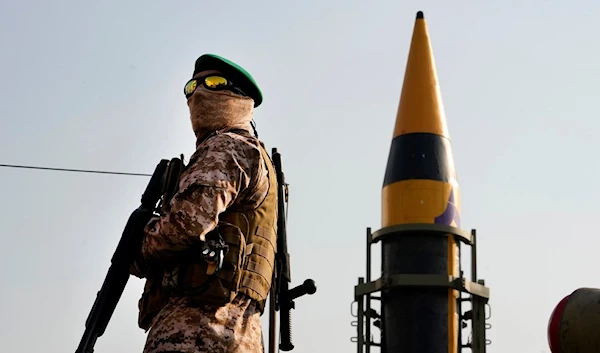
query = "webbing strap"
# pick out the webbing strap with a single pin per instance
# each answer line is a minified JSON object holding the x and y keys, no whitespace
{"x":254,"y":284}
{"x":263,"y":251}
{"x":266,"y":234}
{"x":259,"y":269}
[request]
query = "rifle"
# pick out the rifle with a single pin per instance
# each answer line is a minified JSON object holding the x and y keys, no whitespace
{"x":156,"y":196}
{"x":282,"y":298}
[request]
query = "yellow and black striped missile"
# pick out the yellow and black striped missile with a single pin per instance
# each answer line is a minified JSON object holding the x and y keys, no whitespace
{"x":420,"y":187}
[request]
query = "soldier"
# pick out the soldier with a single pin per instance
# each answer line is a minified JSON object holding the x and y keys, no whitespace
{"x":226,"y":203}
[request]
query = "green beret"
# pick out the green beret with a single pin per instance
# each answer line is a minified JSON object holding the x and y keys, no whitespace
{"x":236,"y":73}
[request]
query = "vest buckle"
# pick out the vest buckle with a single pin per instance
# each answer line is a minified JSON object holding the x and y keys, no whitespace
{"x":213,"y":252}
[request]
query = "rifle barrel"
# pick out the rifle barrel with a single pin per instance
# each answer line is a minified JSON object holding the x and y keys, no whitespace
{"x":282,"y":298}
{"x":127,"y":249}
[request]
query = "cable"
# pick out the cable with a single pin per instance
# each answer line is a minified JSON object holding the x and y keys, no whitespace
{"x":72,"y":170}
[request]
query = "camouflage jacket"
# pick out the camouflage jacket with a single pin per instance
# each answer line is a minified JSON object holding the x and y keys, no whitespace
{"x":219,"y":174}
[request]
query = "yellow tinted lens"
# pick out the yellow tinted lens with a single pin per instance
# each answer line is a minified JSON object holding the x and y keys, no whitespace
{"x":190,"y":87}
{"x":215,"y":81}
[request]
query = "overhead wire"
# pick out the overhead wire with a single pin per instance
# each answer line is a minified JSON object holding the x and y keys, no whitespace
{"x":73,"y":170}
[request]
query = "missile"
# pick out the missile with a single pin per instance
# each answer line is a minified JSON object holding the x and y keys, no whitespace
{"x":421,"y":282}
{"x":420,"y":186}
{"x":573,"y":324}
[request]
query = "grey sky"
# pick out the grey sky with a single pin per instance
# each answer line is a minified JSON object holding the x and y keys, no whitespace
{"x":99,"y":85}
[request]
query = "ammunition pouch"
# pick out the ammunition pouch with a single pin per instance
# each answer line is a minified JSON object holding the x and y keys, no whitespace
{"x":197,"y":280}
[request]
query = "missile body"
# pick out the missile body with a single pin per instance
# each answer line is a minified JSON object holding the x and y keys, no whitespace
{"x":420,"y":187}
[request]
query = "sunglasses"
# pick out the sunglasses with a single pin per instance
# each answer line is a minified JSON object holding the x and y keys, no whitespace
{"x":211,"y":82}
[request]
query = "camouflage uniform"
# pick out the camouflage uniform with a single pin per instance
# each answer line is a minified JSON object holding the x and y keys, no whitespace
{"x":180,"y":327}
{"x":226,"y":168}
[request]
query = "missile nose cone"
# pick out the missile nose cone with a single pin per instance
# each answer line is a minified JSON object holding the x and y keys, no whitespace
{"x":420,"y":184}
{"x":420,"y":108}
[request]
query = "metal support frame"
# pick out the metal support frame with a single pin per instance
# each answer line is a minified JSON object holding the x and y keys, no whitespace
{"x":479,"y":293}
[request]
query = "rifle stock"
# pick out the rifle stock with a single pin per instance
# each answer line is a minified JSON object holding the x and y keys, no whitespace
{"x":281,"y":296}
{"x":127,"y":250}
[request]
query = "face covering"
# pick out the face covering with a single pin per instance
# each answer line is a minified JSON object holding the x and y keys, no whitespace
{"x":217,"y":110}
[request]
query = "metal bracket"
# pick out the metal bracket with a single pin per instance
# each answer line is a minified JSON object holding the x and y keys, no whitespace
{"x":480,"y":294}
{"x":423,"y":228}
{"x":422,"y":280}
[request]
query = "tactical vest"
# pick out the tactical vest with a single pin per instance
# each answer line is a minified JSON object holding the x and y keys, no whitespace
{"x":250,"y":234}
